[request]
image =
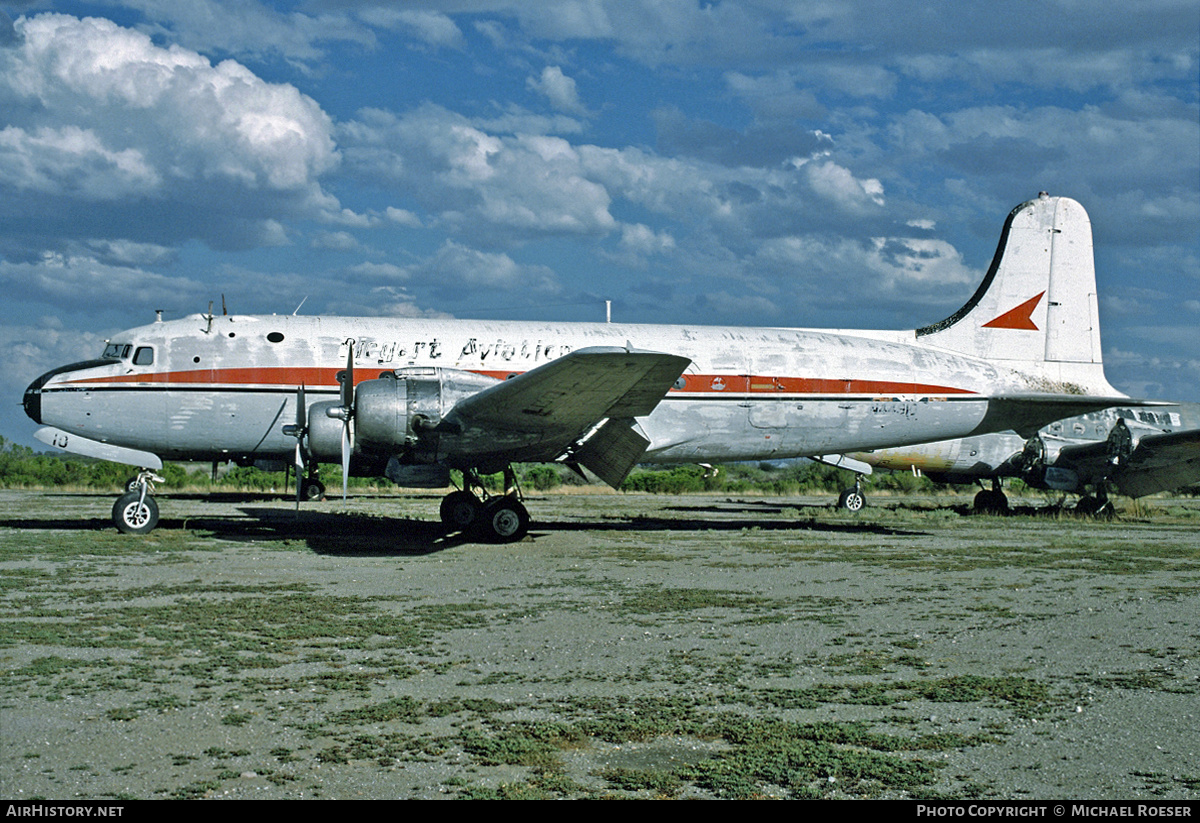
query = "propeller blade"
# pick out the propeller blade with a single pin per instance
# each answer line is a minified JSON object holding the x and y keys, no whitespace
{"x":347,"y":414}
{"x":345,"y":459}
{"x":299,"y":463}
{"x":348,"y":380}
{"x":300,"y":460}
{"x":301,"y":409}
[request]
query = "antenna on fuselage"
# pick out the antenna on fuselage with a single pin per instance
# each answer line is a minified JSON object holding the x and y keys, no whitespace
{"x":297,"y":311}
{"x":209,"y":317}
{"x":224,"y":311}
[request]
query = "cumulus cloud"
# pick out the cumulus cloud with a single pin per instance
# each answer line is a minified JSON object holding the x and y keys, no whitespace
{"x":642,"y":239}
{"x":93,"y":112}
{"x":490,"y":184}
{"x":79,"y":282}
{"x":557,"y":88}
{"x":430,"y":27}
{"x":31,"y":349}
{"x":917,"y":270}
{"x":457,"y":268}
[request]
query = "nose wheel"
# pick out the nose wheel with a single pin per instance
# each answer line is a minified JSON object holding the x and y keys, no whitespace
{"x":853,"y":499}
{"x":135,"y":512}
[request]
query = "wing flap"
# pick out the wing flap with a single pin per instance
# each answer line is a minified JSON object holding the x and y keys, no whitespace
{"x":612,"y":451}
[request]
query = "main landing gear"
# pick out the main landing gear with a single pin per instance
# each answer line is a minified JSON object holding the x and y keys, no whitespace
{"x":135,"y":512}
{"x":498,"y":518}
{"x":1096,"y":505}
{"x":993,"y":500}
{"x":312,"y":489}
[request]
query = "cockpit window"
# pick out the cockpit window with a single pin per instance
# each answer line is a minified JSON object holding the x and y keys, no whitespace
{"x":144,"y":356}
{"x":118,"y":351}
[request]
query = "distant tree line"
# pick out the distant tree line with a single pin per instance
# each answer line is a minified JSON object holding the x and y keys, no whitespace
{"x":22,"y":467}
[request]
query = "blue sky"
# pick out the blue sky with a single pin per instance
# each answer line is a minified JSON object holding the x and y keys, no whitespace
{"x":766,"y":162}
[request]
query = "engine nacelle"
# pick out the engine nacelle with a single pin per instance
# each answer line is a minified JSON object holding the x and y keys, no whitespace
{"x":396,"y":414}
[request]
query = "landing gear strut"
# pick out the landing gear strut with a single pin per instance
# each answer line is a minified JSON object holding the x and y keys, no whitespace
{"x":135,"y":512}
{"x":498,"y":519}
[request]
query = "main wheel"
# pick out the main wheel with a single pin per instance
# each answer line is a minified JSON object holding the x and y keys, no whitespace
{"x":505,"y":520}
{"x":991,"y":501}
{"x":852,"y":500}
{"x":312,"y":490}
{"x":134,"y":517}
{"x":1089,"y":506}
{"x":459,"y":510}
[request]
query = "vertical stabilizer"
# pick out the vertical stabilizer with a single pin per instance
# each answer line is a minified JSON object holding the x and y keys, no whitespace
{"x":1036,"y":309}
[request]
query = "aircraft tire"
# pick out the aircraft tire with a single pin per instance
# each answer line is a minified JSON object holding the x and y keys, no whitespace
{"x":130,"y":518}
{"x":852,"y":500}
{"x":312,"y":491}
{"x":991,"y":501}
{"x":459,"y":511}
{"x":1089,"y":506}
{"x":505,"y":520}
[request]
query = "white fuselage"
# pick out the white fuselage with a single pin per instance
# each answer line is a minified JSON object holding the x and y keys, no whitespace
{"x":224,"y":387}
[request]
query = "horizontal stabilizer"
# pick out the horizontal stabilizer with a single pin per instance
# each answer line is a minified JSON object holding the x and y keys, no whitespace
{"x":613,"y":451}
{"x":1026,"y":413}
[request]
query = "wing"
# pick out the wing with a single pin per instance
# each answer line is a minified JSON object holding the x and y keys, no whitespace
{"x":1159,"y":462}
{"x":583,"y":402}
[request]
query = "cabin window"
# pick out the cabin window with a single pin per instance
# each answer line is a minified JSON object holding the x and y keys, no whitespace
{"x":144,"y":356}
{"x":275,"y":337}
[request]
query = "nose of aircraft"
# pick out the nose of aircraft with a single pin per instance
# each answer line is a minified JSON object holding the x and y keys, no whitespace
{"x":33,"y":398}
{"x":33,"y":394}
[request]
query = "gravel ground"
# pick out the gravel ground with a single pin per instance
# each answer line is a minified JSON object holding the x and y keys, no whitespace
{"x":631,"y":646}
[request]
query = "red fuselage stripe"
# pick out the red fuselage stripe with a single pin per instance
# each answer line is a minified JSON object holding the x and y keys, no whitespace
{"x":279,"y":377}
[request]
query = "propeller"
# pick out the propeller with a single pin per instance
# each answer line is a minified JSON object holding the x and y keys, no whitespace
{"x":345,"y":413}
{"x":298,"y":430}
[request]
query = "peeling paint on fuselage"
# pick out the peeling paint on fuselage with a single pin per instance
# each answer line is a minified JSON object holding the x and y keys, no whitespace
{"x":226,"y":386}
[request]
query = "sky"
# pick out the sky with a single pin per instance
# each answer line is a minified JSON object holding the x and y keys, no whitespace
{"x":811,"y":163}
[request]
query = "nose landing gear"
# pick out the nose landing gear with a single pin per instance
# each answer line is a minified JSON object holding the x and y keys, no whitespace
{"x":135,"y":512}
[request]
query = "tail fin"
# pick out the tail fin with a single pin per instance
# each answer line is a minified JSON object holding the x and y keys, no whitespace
{"x":1036,"y":309}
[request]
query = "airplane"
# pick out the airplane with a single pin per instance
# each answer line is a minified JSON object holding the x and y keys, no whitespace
{"x":412,"y":399}
{"x":1139,"y":451}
